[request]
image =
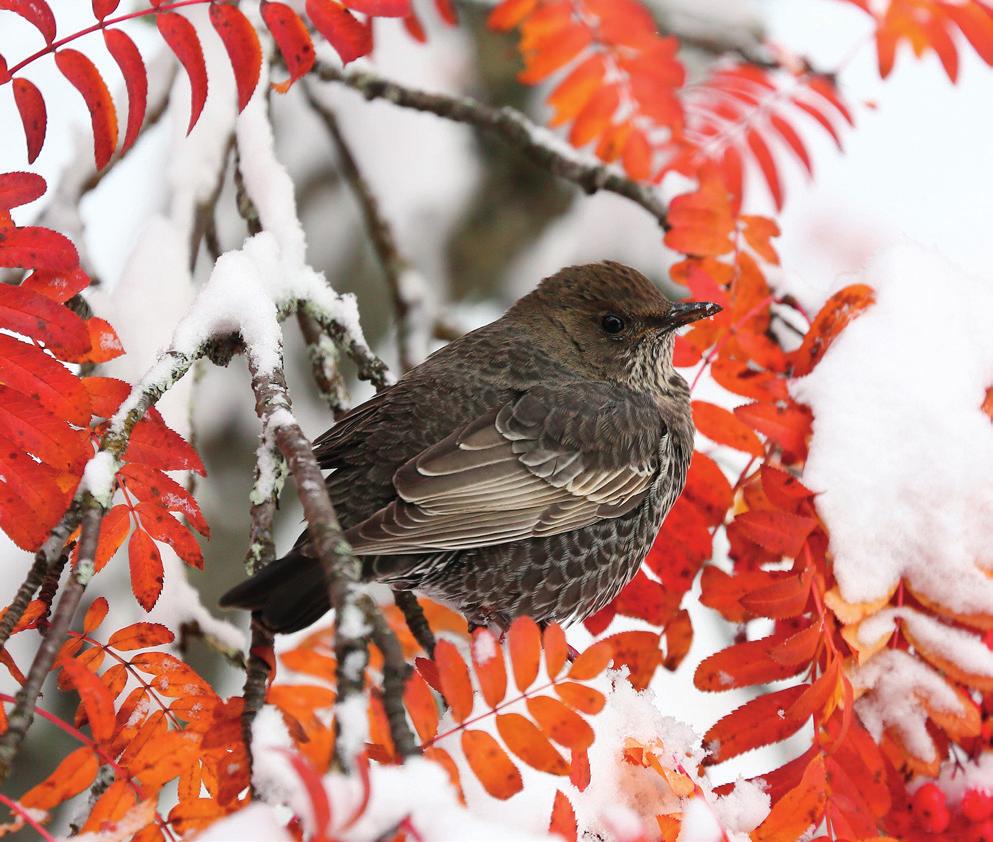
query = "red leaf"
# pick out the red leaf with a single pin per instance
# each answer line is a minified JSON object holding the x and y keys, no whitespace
{"x":181,"y":36}
{"x":102,"y":8}
{"x":788,"y":426}
{"x":640,"y":652}
{"x":292,"y":38}
{"x":491,"y":672}
{"x":381,"y":8}
{"x":31,"y":500}
{"x":783,"y":489}
{"x":155,"y":444}
{"x":637,"y":156}
{"x":825,"y":87}
{"x":85,"y":77}
{"x":525,"y":740}
{"x":105,"y":344}
{"x":58,"y":286}
{"x":34,"y":117}
{"x":26,"y":312}
{"x":35,"y":12}
{"x":454,"y":678}
{"x":38,"y":248}
{"x":721,"y":426}
{"x":149,"y":484}
{"x":446,"y":11}
{"x":146,"y":569}
{"x":708,"y":488}
{"x":563,"y":821}
{"x":490,"y":764}
{"x":421,"y":706}
{"x":32,"y":372}
{"x":524,"y":643}
{"x":756,"y":723}
{"x":763,"y":157}
{"x":140,"y":636}
{"x":793,"y":140}
{"x":162,"y":526}
{"x":678,"y":639}
{"x":96,"y":698}
{"x":20,"y":188}
{"x":36,"y":431}
{"x":800,"y":809}
{"x":779,"y":532}
{"x":840,"y":309}
{"x":313,"y":787}
{"x":819,"y":116}
{"x":242,"y":43}
{"x":784,"y":598}
{"x":415,"y":28}
{"x":350,"y":37}
{"x":114,"y":528}
{"x":509,"y":13}
{"x":129,"y":60}
{"x":595,"y":116}
{"x":744,"y":664}
{"x":645,"y":599}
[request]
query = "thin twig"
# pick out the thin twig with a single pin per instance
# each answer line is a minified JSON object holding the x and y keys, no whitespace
{"x":395,"y":674}
{"x":22,"y":714}
{"x":408,"y":304}
{"x":510,"y":125}
{"x":323,"y":355}
{"x":256,"y":679}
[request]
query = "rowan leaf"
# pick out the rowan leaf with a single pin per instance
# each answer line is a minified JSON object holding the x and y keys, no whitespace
{"x":767,"y":164}
{"x":110,"y":806}
{"x":158,"y":446}
{"x":140,"y":636}
{"x":453,"y":675}
{"x":175,"y":678}
{"x":488,"y":663}
{"x":95,"y":614}
{"x":756,"y":723}
{"x":20,"y":188}
{"x":785,"y":597}
{"x":58,"y":286}
{"x":580,"y":697}
{"x":381,"y":8}
{"x":556,"y":649}
{"x":293,"y":39}
{"x":838,"y":311}
{"x":151,"y":485}
{"x":96,"y":698}
{"x":75,"y":772}
{"x":350,"y":37}
{"x":524,"y":645}
{"x":799,"y":809}
{"x":163,"y":758}
{"x":146,"y":569}
{"x":34,"y":116}
{"x":525,"y":740}
{"x":593,"y":661}
{"x":102,"y":8}
{"x":640,"y":652}
{"x":817,"y":696}
{"x":181,"y":37}
{"x":105,"y":344}
{"x":85,"y":78}
{"x":744,"y":664}
{"x":34,"y":430}
{"x":491,"y":765}
{"x":678,"y":639}
{"x":509,"y":13}
{"x":722,"y":427}
{"x":162,"y":526}
{"x":422,"y":707}
{"x":595,"y":116}
{"x":32,"y":372}
{"x":123,"y":50}
{"x":31,"y":247}
{"x":563,"y":820}
{"x":36,"y":12}
{"x":242,"y":44}
{"x":779,"y":532}
{"x":114,"y":528}
{"x":787,"y":426}
{"x":708,"y":488}
{"x":560,"y":723}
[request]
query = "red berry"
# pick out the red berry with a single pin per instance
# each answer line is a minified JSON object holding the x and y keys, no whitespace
{"x":982,"y":832}
{"x":930,"y":809}
{"x":977,"y":806}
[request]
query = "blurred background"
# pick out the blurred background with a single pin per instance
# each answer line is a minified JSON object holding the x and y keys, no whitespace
{"x":480,"y":226}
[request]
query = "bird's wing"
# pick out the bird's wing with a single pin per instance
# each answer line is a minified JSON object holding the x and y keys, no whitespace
{"x":551,"y":461}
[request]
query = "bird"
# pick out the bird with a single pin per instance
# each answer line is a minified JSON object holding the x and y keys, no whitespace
{"x":523,"y":469}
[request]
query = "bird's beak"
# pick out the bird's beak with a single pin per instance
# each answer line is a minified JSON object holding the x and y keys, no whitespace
{"x":686,"y":312}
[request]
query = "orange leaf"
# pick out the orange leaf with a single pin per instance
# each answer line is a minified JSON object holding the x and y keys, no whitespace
{"x":95,"y":696}
{"x":487,"y":660}
{"x":744,"y":664}
{"x":95,"y":614}
{"x":556,"y":649}
{"x":756,"y":723}
{"x":593,"y":661}
{"x":640,"y":652}
{"x":722,"y":427}
{"x":788,"y":426}
{"x":140,"y":636}
{"x":491,"y":765}
{"x":524,"y":643}
{"x":579,"y":770}
{"x":525,"y":740}
{"x":146,"y":569}
{"x":560,"y":723}
{"x":840,"y":309}
{"x":453,"y":675}
{"x":581,"y":697}
{"x":779,"y":532}
{"x":75,"y":772}
{"x":798,"y":810}
{"x":422,"y":707}
{"x":115,"y":801}
{"x":509,"y":13}
{"x":563,"y":821}
{"x":817,"y":696}
{"x":678,"y":639}
{"x":708,"y":488}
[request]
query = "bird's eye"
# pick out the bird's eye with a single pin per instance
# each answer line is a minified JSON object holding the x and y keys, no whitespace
{"x":612,"y":324}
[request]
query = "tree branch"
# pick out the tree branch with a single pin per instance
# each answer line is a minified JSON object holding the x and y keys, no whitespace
{"x":510,"y":125}
{"x":416,"y":621}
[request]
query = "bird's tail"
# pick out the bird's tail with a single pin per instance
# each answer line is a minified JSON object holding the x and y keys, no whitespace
{"x":286,"y":595}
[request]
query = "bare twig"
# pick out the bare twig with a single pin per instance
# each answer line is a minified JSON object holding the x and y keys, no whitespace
{"x":256,"y":678}
{"x":408,"y":304}
{"x":22,"y":713}
{"x":510,"y":125}
{"x":395,"y":674}
{"x":323,"y":355}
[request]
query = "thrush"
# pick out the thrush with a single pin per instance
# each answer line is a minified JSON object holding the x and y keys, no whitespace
{"x":524,"y":469}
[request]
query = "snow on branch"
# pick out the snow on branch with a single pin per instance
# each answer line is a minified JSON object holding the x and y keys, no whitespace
{"x":510,"y":125}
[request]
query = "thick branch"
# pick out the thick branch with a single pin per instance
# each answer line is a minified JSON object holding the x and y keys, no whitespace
{"x":510,"y":125}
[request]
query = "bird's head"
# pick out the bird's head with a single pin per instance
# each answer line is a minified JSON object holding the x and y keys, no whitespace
{"x":610,"y":322}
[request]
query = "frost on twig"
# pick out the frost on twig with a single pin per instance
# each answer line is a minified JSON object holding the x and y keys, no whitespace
{"x":511,"y":126}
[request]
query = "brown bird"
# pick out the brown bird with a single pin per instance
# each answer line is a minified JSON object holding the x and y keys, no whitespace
{"x":524,"y":469}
